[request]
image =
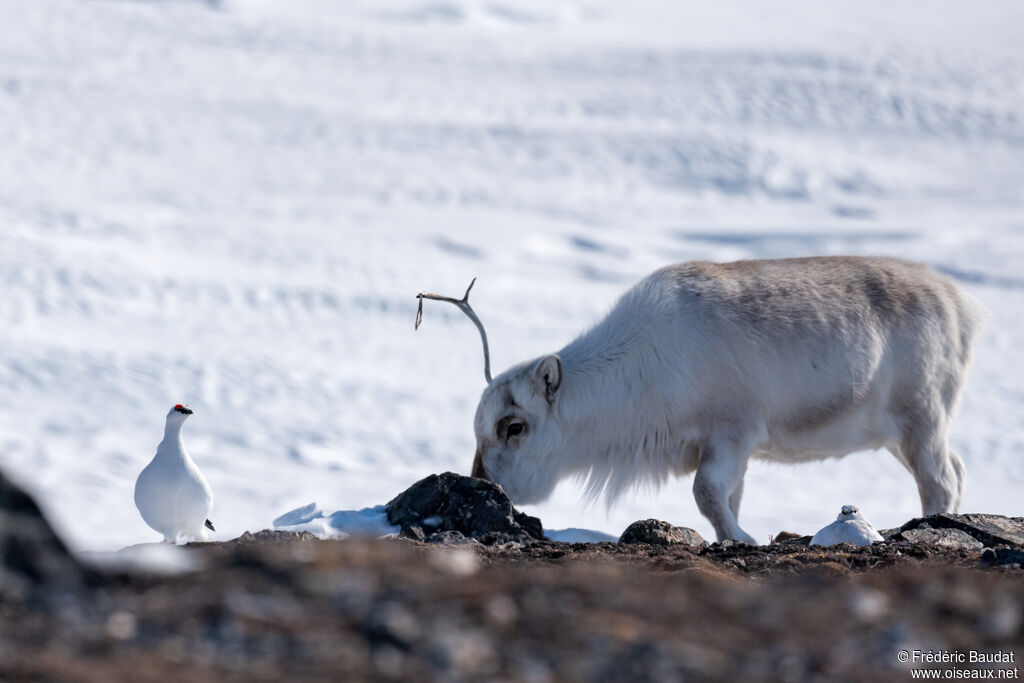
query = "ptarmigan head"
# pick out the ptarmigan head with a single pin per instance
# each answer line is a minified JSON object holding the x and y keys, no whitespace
{"x":179,"y":413}
{"x":848,"y":512}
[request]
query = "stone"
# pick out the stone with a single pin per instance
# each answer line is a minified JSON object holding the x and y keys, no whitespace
{"x":31,"y":554}
{"x":991,"y":530}
{"x":269,"y":536}
{"x":943,"y":538}
{"x":476,"y":508}
{"x":451,"y":537}
{"x":657,"y":532}
{"x":413,"y":532}
{"x":790,"y":537}
{"x":1002,"y":556}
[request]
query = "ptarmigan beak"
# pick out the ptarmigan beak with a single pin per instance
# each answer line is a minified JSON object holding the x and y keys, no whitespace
{"x":185,"y":410}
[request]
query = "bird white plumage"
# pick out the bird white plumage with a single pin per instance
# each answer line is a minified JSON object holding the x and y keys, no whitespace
{"x":850,"y":527}
{"x":171,"y":493}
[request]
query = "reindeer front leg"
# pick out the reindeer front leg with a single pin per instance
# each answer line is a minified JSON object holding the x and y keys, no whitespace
{"x":719,"y":480}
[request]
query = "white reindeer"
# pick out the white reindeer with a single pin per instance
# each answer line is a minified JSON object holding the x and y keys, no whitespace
{"x":701,"y":366}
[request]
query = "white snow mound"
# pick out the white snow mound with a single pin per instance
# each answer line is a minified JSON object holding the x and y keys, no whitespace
{"x":371,"y":521}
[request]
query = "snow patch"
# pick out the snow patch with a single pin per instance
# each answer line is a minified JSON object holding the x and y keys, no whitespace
{"x":156,"y":558}
{"x":300,"y":515}
{"x":574,"y":535}
{"x":371,"y":521}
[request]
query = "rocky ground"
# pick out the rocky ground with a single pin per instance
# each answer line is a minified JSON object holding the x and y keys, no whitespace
{"x":462,"y":597}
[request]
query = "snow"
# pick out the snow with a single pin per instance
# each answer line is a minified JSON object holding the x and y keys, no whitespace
{"x":301,"y":515}
{"x":154,"y":558}
{"x":372,"y":521}
{"x":232,"y":204}
{"x":579,"y":536}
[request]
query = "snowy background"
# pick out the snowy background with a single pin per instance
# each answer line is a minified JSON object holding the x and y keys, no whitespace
{"x":233,"y":204}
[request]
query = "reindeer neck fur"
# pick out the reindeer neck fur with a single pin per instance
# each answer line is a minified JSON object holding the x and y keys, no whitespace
{"x":617,"y":432}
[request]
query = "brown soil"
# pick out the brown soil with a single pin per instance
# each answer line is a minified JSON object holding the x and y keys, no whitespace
{"x":279,"y":608}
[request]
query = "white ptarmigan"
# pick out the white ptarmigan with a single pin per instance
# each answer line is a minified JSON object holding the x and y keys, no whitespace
{"x":850,"y":527}
{"x":171,"y":493}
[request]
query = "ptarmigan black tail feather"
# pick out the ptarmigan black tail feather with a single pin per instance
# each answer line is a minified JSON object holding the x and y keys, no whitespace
{"x":209,"y":525}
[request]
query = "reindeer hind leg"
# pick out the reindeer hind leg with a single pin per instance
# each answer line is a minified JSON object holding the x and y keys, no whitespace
{"x":936,"y":468}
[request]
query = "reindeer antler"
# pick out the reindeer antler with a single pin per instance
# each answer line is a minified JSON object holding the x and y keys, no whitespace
{"x":464,"y":306}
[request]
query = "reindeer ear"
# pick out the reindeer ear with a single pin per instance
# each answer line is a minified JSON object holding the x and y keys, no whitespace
{"x":548,"y":374}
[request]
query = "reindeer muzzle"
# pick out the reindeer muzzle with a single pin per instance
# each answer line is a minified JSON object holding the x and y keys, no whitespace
{"x":478,"y":466}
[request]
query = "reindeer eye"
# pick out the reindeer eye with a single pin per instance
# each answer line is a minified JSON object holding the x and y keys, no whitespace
{"x":509,"y":426}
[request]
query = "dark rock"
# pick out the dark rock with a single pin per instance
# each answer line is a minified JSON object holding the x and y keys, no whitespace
{"x":413,"y":532}
{"x":501,"y":539}
{"x":789,"y":536}
{"x":798,"y":541}
{"x":991,"y":530}
{"x":944,"y":538}
{"x":31,"y":554}
{"x":532,"y":525}
{"x":1002,"y":556}
{"x":452,"y":537}
{"x":270,"y":536}
{"x":476,"y":508}
{"x":657,"y":532}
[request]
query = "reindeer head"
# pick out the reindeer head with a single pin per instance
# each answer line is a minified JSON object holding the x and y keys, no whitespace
{"x":517,"y":430}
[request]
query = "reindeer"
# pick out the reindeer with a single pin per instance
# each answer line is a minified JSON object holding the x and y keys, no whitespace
{"x":701,"y":366}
